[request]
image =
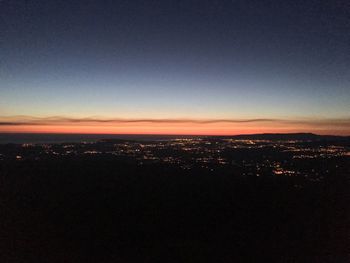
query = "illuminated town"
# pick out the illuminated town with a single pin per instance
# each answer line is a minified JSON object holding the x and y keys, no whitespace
{"x":243,"y":157}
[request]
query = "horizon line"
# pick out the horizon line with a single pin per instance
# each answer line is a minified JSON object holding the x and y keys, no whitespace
{"x":173,"y":126}
{"x":175,"y":134}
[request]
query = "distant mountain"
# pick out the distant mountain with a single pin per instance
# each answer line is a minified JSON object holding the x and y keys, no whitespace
{"x":287,"y":136}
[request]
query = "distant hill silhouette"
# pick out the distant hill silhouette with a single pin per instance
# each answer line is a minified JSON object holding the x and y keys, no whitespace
{"x":287,"y":136}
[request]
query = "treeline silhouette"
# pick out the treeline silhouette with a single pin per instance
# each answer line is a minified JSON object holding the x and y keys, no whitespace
{"x":102,"y":209}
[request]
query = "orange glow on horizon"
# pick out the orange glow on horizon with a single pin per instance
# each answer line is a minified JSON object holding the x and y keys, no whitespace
{"x":173,"y":128}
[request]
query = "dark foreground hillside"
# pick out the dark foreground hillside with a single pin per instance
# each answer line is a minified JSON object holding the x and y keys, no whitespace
{"x":97,"y":209}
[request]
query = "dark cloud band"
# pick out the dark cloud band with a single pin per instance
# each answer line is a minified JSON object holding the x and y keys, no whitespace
{"x":57,"y":120}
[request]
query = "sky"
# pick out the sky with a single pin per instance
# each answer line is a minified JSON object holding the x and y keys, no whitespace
{"x":175,"y":67}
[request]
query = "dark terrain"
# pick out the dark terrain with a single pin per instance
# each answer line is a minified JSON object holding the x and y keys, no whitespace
{"x":107,"y":208}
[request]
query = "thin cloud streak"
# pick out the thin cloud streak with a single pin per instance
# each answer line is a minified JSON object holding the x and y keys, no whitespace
{"x":4,"y":123}
{"x":58,"y":120}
